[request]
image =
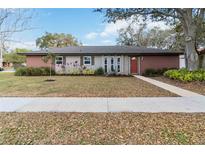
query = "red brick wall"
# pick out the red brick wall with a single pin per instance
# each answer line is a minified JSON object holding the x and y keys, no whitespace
{"x":36,"y":61}
{"x":157,"y":62}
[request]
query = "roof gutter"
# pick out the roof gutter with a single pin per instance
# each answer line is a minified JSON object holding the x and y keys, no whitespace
{"x":98,"y":54}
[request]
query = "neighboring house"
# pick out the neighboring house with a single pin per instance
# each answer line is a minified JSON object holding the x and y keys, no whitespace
{"x":7,"y":64}
{"x":119,"y":59}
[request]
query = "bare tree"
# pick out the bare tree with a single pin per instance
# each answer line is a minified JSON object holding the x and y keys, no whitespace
{"x":13,"y":21}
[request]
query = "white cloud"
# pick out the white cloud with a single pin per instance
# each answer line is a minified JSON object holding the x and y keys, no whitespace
{"x":91,"y":35}
{"x":108,"y":41}
{"x":27,"y":45}
{"x":111,"y":29}
{"x":103,"y":34}
{"x":85,"y":44}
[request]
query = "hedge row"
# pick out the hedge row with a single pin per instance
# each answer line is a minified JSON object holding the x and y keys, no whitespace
{"x":45,"y":71}
{"x":30,"y":71}
{"x":185,"y":75}
{"x":155,"y":72}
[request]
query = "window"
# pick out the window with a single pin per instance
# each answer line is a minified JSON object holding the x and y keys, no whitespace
{"x":87,"y":60}
{"x":105,"y":63}
{"x":59,"y":60}
{"x":112,"y":64}
{"x":118,"y":64}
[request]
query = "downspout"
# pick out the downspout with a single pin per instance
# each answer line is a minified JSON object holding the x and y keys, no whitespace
{"x":139,"y":65}
{"x":129,"y":66}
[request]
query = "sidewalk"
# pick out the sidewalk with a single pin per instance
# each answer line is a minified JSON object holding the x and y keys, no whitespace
{"x":102,"y":104}
{"x":173,"y":89}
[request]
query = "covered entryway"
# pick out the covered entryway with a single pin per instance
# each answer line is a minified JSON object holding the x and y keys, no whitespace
{"x":133,"y":65}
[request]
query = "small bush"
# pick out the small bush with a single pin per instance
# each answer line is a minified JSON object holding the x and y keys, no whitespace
{"x":30,"y":71}
{"x":185,"y":75}
{"x":150,"y":72}
{"x":154,"y":72}
{"x":75,"y":71}
{"x":1,"y":69}
{"x":99,"y":71}
{"x":46,"y":71}
{"x":88,"y":72}
{"x":22,"y":71}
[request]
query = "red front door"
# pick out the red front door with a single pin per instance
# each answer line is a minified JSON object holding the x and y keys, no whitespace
{"x":133,"y":65}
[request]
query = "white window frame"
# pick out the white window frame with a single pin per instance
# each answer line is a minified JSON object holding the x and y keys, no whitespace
{"x":89,"y":58}
{"x":58,"y":60}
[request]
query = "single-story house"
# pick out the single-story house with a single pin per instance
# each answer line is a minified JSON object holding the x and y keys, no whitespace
{"x":119,"y":59}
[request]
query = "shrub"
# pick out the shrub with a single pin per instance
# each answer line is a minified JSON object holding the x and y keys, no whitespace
{"x":22,"y":71}
{"x":154,"y":72}
{"x":185,"y":75}
{"x":99,"y":71}
{"x":1,"y":69}
{"x":150,"y":72}
{"x":30,"y":71}
{"x":88,"y":72}
{"x":46,"y":71}
{"x":75,"y":71}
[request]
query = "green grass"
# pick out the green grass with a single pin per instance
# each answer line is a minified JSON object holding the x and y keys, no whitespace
{"x":77,"y":86}
{"x":182,"y":138}
{"x":173,"y":136}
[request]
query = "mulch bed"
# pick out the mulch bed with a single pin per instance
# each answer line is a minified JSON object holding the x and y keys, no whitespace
{"x":196,"y":86}
{"x":102,"y":128}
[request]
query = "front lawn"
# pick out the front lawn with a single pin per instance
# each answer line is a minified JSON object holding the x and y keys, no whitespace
{"x":102,"y":128}
{"x":77,"y":86}
{"x":195,"y":86}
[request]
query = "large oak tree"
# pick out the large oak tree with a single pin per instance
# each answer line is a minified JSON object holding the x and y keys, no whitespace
{"x":190,"y":19}
{"x":49,"y":40}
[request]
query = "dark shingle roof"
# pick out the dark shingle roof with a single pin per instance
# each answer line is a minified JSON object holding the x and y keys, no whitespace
{"x":103,"y":50}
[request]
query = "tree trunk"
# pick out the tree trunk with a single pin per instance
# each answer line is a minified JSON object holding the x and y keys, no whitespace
{"x":189,"y":28}
{"x":202,"y":61}
{"x":191,"y":56}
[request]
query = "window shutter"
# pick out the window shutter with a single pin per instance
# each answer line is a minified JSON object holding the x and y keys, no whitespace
{"x":93,"y":60}
{"x":53,"y":60}
{"x":64,"y":60}
{"x":81,"y":60}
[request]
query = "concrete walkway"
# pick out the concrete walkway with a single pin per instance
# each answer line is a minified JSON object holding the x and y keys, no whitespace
{"x":99,"y":104}
{"x":173,"y":89}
